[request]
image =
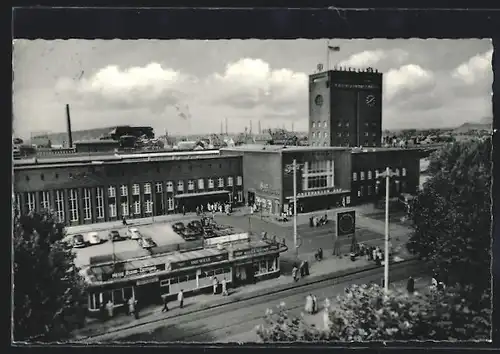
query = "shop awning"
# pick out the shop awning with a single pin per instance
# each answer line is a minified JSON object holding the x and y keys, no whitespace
{"x":188,"y":195}
{"x":320,"y":193}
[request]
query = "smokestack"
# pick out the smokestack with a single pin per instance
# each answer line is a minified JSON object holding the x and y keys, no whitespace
{"x":226,"y":125}
{"x":68,"y":126}
{"x":250,"y":127}
{"x":260,"y":129}
{"x":221,"y":127}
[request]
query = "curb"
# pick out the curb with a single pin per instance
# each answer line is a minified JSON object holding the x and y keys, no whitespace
{"x":343,"y":274}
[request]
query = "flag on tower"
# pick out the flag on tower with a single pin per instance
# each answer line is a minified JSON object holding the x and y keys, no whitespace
{"x":334,"y":48}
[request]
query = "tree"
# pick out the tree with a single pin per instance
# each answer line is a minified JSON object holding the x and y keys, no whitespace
{"x":366,"y":313}
{"x":452,"y":216}
{"x":47,"y":285}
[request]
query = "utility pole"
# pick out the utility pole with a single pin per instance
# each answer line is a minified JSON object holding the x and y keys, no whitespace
{"x":387,"y":174}
{"x":295,"y":207}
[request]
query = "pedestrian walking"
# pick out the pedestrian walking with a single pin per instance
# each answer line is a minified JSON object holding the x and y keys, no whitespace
{"x":410,"y":285}
{"x":315,"y":304}
{"x":165,"y":304}
{"x":183,"y":210}
{"x":131,"y":306}
{"x":308,"y":308}
{"x":180,"y":298}
{"x":215,"y":284}
{"x":110,"y":308}
{"x":224,"y":287}
{"x":136,"y":310}
{"x":295,"y":273}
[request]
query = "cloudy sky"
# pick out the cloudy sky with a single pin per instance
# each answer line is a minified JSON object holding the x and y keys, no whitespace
{"x":191,"y":86}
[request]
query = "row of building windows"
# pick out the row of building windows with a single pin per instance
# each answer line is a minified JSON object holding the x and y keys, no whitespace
{"x":124,"y":203}
{"x":319,"y":125}
{"x":399,"y":187}
{"x":180,"y":186}
{"x":374,"y":174}
{"x":313,"y":143}
{"x":318,"y":134}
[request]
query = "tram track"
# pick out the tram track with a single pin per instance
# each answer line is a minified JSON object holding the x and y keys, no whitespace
{"x":243,"y":314}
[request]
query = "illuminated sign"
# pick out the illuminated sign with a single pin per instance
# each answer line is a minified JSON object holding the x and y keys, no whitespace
{"x":143,"y":270}
{"x":355,"y":86}
{"x":199,"y":261}
{"x":255,"y":250}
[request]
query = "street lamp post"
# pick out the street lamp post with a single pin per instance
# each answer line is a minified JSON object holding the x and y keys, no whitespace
{"x":387,"y":174}
{"x":295,"y":207}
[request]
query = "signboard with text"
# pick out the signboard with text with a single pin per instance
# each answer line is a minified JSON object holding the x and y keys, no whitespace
{"x":199,"y":261}
{"x":253,"y":251}
{"x":137,"y":271}
{"x":355,"y":86}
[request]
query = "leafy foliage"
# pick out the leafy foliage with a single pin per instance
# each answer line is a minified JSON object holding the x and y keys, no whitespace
{"x":47,"y":286}
{"x":365,"y":313}
{"x":452,"y":215}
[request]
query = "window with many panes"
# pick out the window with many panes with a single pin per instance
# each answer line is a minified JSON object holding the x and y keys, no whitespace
{"x":362,"y":175}
{"x":123,"y":190}
{"x":149,"y":206}
{"x":370,"y":174}
{"x":210,"y":183}
{"x":112,"y":210}
{"x":240,"y":196}
{"x":125,"y":210}
{"x":147,"y":188}
{"x":354,"y":176}
{"x":191,"y":185}
{"x":73,"y":205}
{"x":404,"y":171}
{"x":111,"y":192}
{"x":135,"y":189}
{"x":180,"y":186}
{"x":158,"y":187}
{"x":60,"y":205}
{"x":87,"y":205}
{"x":239,"y":181}
{"x":100,"y":203}
{"x":201,"y":183}
{"x":230,"y":181}
{"x":170,"y":203}
{"x":170,"y":186}
{"x":45,"y":200}
{"x":221,"y":182}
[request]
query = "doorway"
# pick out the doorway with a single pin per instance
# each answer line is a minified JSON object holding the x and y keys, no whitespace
{"x":149,"y":294}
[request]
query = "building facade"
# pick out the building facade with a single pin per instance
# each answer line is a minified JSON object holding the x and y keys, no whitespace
{"x":323,"y":176}
{"x":95,"y":189}
{"x":345,"y":108}
{"x":368,"y":163}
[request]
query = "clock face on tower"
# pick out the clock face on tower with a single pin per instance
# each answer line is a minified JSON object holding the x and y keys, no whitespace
{"x":318,"y":100}
{"x":370,"y":100}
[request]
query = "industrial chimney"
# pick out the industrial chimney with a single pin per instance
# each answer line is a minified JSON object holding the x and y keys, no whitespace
{"x":68,"y":124}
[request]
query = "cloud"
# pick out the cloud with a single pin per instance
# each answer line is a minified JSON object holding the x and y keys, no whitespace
{"x":407,"y":80}
{"x":475,"y":70}
{"x":150,"y":86}
{"x":372,"y":58}
{"x":249,"y":83}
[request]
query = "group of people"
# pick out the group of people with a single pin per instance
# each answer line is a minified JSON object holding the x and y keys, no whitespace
{"x":311,"y":306}
{"x":371,"y":253}
{"x":215,"y":285}
{"x":180,"y":298}
{"x":315,"y":221}
{"x":216,"y":207}
{"x":301,"y":271}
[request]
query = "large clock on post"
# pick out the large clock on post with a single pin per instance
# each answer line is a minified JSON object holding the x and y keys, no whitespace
{"x":346,"y":223}
{"x":370,"y":100}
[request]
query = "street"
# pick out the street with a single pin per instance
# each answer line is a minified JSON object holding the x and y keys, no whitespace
{"x":221,"y":323}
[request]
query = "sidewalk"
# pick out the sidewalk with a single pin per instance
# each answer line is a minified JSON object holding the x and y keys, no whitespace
{"x":330,"y":265}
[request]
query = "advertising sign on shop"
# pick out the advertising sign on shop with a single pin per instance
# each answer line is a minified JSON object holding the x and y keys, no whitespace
{"x":257,"y":250}
{"x":148,"y":281}
{"x":199,"y":261}
{"x":224,"y":239}
{"x":142,"y":270}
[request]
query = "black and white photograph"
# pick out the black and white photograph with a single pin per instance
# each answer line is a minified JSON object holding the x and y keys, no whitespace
{"x":251,"y":191}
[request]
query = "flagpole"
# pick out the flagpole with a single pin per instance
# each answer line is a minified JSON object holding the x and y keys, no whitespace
{"x":327,"y":55}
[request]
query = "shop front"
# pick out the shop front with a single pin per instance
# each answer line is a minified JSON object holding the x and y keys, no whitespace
{"x":150,"y":279}
{"x":192,"y":200}
{"x":323,"y":199}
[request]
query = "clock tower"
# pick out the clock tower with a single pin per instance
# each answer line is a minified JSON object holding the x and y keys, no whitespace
{"x":345,"y":108}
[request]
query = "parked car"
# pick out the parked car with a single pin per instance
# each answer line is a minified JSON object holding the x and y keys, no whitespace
{"x":190,"y":234}
{"x":146,"y":242}
{"x":195,"y":225}
{"x":115,"y":236}
{"x":79,"y":241}
{"x":178,"y":227}
{"x":93,"y":238}
{"x":133,"y":233}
